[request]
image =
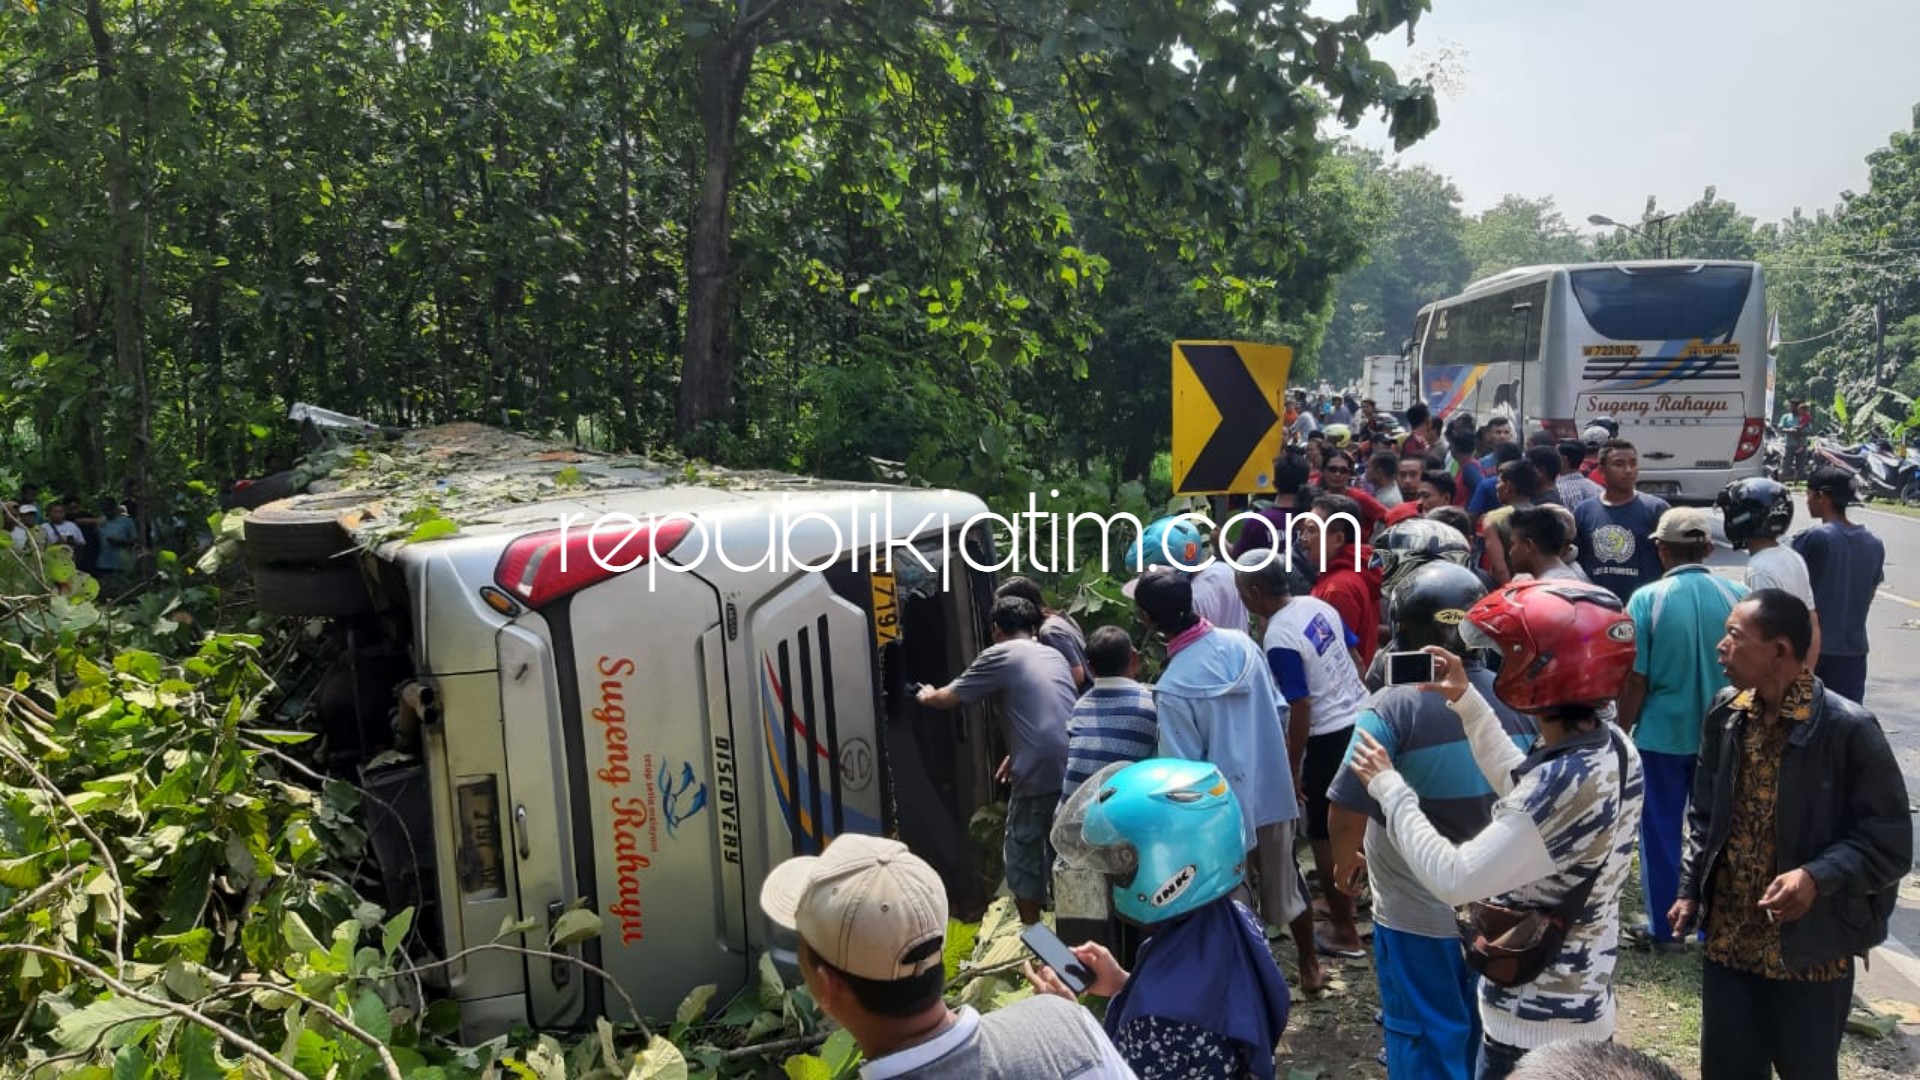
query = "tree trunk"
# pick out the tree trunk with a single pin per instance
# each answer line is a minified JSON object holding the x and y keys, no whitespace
{"x":128,"y":242}
{"x":706,"y":371}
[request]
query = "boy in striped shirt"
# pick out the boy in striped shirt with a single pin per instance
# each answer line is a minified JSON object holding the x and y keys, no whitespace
{"x":1115,"y":720}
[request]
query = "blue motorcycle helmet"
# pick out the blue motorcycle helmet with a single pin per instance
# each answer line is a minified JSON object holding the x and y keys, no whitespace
{"x":1166,"y":832}
{"x":1168,"y":541}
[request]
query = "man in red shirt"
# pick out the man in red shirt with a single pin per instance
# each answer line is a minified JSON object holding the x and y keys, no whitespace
{"x":1436,"y":490}
{"x":1465,"y":466}
{"x":1420,"y":434}
{"x":1348,"y":582}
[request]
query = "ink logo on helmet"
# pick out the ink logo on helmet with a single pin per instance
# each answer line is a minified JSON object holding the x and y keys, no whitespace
{"x":1170,"y":891}
{"x":1449,"y":616}
{"x":1621,"y":631}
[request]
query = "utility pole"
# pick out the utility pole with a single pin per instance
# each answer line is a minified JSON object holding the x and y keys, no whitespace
{"x":1879,"y":342}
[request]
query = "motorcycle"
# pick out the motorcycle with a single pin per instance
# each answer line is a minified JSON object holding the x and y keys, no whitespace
{"x":1775,"y":460}
{"x":1877,"y":471}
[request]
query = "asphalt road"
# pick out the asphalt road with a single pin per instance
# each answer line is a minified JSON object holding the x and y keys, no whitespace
{"x":1893,"y":693}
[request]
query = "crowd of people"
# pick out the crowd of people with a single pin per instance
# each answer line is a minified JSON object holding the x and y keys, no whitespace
{"x":1596,"y":694}
{"x":105,"y":544}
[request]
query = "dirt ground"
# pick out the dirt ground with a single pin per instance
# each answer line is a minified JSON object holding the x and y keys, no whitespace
{"x":1335,"y":1037}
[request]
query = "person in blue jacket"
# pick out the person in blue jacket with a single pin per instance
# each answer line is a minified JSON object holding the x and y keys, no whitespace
{"x":1216,"y":702}
{"x":1205,"y":1001}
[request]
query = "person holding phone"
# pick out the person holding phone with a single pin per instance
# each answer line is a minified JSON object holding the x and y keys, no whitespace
{"x":1429,"y":997}
{"x":1557,"y":850}
{"x":871,"y":920}
{"x":1205,"y":1001}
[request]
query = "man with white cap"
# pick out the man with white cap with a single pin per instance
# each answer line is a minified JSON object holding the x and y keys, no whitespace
{"x":1678,"y":621}
{"x":872,"y":921}
{"x":27,"y":526}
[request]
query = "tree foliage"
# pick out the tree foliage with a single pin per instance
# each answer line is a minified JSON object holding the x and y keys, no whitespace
{"x":1844,"y":282}
{"x":1518,"y":231}
{"x":1418,"y":254}
{"x":1851,"y":279}
{"x":786,"y":232}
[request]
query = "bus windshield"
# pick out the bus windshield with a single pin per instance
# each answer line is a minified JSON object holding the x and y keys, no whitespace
{"x":1663,"y":303}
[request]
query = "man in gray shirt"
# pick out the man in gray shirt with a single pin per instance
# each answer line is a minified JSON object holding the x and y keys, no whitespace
{"x":1036,"y":695}
{"x":872,"y":921}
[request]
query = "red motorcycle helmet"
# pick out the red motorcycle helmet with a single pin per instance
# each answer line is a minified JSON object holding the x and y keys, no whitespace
{"x":1561,"y":643}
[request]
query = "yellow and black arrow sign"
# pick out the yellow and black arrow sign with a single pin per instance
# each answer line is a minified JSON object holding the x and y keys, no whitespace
{"x":1226,"y":415}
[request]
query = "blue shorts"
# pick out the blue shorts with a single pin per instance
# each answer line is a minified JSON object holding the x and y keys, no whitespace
{"x":1430,"y":1004}
{"x":1026,"y":848}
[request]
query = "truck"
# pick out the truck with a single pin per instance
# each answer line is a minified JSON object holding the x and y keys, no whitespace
{"x":1388,"y":380}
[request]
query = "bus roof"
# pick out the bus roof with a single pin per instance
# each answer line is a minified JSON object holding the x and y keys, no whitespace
{"x":1524,"y":275}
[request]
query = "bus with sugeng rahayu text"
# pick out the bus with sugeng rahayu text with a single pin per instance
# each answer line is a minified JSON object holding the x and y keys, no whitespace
{"x":1674,"y":351}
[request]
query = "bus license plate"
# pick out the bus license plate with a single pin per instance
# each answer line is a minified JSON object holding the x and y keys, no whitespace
{"x":481,"y":862}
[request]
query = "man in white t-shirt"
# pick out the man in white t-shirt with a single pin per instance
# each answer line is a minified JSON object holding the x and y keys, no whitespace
{"x":1305,"y":646}
{"x":1216,"y":595}
{"x":1757,"y":513}
{"x":64,"y":531}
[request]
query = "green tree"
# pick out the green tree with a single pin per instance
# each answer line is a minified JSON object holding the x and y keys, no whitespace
{"x":1198,"y":115}
{"x":1710,"y":228}
{"x":1417,"y":255}
{"x":1518,"y":231}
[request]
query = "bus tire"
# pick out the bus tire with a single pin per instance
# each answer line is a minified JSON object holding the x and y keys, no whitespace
{"x":311,"y":591}
{"x":307,"y":530}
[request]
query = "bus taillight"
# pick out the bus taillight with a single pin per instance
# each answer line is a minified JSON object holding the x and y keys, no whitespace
{"x":1751,"y":434}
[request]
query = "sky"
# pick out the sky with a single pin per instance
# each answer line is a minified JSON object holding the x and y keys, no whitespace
{"x":1600,"y":103}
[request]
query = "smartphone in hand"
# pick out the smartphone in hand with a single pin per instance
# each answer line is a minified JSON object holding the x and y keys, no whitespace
{"x":1047,"y":946}
{"x":1410,"y":668}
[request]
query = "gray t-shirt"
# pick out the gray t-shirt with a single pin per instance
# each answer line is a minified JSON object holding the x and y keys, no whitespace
{"x":1037,"y":695}
{"x":1040,"y":1036}
{"x":1781,"y":568}
{"x":1429,"y":747}
{"x":1061,"y":634}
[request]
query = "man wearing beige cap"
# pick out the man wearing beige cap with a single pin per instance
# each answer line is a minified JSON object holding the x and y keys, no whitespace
{"x":872,"y":922}
{"x":1678,"y":622}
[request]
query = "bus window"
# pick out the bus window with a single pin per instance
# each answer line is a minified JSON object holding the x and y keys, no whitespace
{"x":1488,"y":329}
{"x":1663,"y":304}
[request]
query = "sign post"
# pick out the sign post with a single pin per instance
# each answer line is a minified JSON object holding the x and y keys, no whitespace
{"x":1228,"y":398}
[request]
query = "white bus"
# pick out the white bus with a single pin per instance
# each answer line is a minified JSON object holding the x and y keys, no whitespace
{"x":1675,"y":352}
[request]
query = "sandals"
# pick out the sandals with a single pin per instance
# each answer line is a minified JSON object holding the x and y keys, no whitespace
{"x":1327,"y":950}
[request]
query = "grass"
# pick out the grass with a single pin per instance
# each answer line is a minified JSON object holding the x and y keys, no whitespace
{"x":1657,"y":998}
{"x":1897,"y":509}
{"x":1334,"y":1037}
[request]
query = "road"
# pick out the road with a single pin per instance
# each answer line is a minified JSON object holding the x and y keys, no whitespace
{"x":1893,"y":693}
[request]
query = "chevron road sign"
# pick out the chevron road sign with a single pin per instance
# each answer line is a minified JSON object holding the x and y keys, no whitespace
{"x":1227,"y":403}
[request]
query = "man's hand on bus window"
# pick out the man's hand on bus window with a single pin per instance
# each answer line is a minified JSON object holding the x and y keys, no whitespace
{"x":938,"y":698}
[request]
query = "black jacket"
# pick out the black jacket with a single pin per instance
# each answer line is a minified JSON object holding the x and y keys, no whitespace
{"x":1842,"y":816}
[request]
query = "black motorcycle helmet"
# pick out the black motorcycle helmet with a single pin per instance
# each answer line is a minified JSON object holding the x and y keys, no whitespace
{"x":1430,"y":604}
{"x":1413,"y":543}
{"x":1755,"y":507}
